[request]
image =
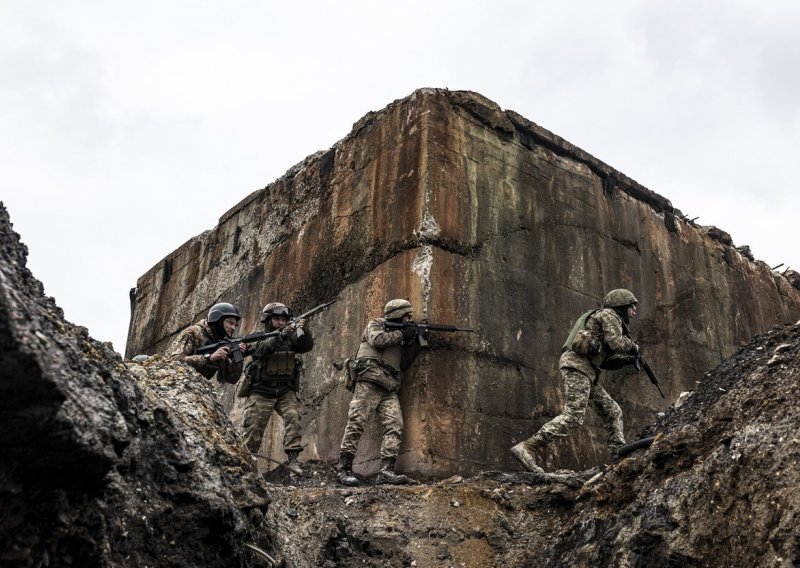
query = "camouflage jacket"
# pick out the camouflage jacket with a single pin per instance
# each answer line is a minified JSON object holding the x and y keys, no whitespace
{"x":607,"y":327}
{"x":275,"y":366}
{"x":184,"y":349}
{"x":384,"y":355}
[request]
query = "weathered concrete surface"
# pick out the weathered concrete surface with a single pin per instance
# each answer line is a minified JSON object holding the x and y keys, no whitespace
{"x":105,"y":462}
{"x":483,"y":219}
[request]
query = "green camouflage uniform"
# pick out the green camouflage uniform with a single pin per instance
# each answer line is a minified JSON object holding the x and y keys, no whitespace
{"x":382,"y":355}
{"x":274,"y":373}
{"x":580,"y":374}
{"x":185,"y":347}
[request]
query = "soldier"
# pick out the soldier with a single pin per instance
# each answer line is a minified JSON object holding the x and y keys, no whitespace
{"x":274,"y":373}
{"x":220,"y":324}
{"x":599,"y":339}
{"x":381,"y":358}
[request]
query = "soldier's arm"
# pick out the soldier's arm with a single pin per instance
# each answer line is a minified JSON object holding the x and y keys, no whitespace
{"x":267,"y":347}
{"x":614,"y":336}
{"x":305,"y":342}
{"x":379,"y":338}
{"x":183,"y":349}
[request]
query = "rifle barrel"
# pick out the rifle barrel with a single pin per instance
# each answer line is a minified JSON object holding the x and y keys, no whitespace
{"x":313,"y":311}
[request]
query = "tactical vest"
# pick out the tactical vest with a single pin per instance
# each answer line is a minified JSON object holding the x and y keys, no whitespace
{"x":390,"y":356}
{"x":280,"y":363}
{"x":274,"y":377}
{"x":579,"y":339}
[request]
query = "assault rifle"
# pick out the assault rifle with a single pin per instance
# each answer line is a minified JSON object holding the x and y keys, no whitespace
{"x":423,"y":328}
{"x":232,"y":343}
{"x":641,"y":365}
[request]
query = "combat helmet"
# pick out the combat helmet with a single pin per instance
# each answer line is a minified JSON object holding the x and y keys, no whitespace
{"x":395,"y":309}
{"x":274,"y":309}
{"x":619,"y":298}
{"x":223,"y":310}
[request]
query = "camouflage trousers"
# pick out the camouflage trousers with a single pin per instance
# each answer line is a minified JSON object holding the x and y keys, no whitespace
{"x":257,"y":412}
{"x":368,"y":398}
{"x":580,"y":393}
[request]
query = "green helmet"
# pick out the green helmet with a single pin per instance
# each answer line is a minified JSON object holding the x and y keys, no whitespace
{"x":275,"y":309}
{"x":395,"y":309}
{"x":221,"y":311}
{"x":619,"y":298}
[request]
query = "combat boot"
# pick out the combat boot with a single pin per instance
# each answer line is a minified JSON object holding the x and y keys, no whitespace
{"x":524,"y":453}
{"x":345,"y":473}
{"x":293,"y":464}
{"x":387,"y":474}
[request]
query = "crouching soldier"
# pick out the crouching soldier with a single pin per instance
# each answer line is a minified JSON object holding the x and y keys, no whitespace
{"x":273,"y":375}
{"x":220,"y":324}
{"x":381,"y":358}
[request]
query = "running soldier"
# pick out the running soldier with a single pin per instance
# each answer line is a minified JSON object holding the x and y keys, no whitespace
{"x":599,"y":340}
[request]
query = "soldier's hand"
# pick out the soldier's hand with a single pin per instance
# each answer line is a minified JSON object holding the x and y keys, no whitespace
{"x":220,"y":354}
{"x":409,"y":333}
{"x":244,"y":348}
{"x":300,"y":324}
{"x":286,"y":332}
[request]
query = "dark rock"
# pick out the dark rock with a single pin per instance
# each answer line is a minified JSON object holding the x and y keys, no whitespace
{"x":107,"y":462}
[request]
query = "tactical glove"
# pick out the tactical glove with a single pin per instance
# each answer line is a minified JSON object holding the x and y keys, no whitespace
{"x":409,"y":333}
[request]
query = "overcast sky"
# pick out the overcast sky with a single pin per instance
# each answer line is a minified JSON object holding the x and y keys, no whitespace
{"x":126,"y":128}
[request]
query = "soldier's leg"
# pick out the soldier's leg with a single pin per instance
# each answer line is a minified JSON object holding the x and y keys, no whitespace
{"x":392,"y":420}
{"x":576,"y":392}
{"x":257,"y":411}
{"x":366,"y":398}
{"x":577,"y":387}
{"x":289,"y":408}
{"x":611,"y":416}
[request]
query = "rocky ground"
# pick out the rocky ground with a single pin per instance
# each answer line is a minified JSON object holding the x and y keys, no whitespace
{"x":107,"y":462}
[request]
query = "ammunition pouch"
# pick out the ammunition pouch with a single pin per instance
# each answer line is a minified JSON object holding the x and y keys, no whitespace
{"x":249,"y":378}
{"x":243,"y":390}
{"x":380,"y":373}
{"x":351,"y":375}
{"x":281,"y":363}
{"x":585,"y":344}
